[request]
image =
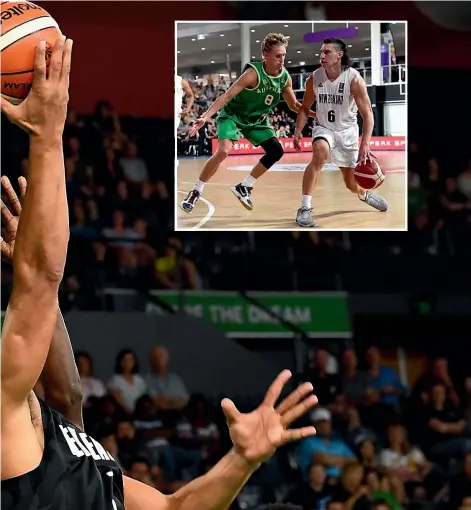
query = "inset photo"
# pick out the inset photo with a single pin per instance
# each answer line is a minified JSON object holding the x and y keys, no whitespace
{"x":291,"y":125}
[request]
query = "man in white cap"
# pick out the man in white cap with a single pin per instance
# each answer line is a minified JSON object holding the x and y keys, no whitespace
{"x":327,"y":447}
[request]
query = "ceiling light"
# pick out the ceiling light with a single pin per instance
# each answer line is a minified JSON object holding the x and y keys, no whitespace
{"x":252,"y":30}
{"x":178,"y":51}
{"x":299,"y":51}
{"x":258,"y":40}
{"x":229,"y":44}
{"x":349,"y":45}
{"x":286,"y":26}
{"x":302,"y":63}
{"x":203,"y":49}
{"x":221,"y":35}
{"x":289,"y":61}
{"x":193,"y":39}
{"x":367,"y":49}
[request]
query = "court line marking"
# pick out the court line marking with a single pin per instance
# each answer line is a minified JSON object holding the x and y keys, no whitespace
{"x":211,"y":210}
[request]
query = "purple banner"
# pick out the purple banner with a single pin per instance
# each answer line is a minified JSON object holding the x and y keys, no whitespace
{"x":339,"y":33}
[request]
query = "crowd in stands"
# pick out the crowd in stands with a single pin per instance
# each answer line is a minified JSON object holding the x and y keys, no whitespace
{"x":378,"y":442}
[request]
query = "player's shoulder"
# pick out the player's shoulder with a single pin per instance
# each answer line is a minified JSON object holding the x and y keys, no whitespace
{"x":353,"y":74}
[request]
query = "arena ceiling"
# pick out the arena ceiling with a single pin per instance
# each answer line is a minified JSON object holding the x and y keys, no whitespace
{"x":200,"y":44}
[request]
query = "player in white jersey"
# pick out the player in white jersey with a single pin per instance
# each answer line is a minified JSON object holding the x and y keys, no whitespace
{"x":340,"y":92}
{"x":182,"y":87}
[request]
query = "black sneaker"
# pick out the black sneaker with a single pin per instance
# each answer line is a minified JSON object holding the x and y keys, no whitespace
{"x":189,"y":203}
{"x":243,"y":193}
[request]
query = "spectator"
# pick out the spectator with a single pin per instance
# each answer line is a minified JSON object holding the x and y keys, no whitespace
{"x":127,"y":385}
{"x":351,"y":491}
{"x":443,"y":427}
{"x":167,"y":388}
{"x":328,"y":386}
{"x":90,"y":385}
{"x":314,"y":493}
{"x":384,"y":380}
{"x":133,"y":167}
{"x":326,"y":448}
{"x":126,"y":441}
{"x":380,"y":491}
{"x":174,"y":270}
{"x":140,"y":470}
{"x":460,"y":484}
{"x":354,"y":382}
{"x":464,"y":182}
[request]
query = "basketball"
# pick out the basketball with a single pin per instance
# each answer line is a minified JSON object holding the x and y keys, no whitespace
{"x":23,"y":26}
{"x":369,"y":175}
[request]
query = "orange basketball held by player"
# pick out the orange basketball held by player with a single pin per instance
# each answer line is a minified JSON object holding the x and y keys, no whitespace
{"x":369,"y":175}
{"x":23,"y":25}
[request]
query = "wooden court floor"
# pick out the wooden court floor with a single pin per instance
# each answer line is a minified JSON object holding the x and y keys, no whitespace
{"x":277,"y":196}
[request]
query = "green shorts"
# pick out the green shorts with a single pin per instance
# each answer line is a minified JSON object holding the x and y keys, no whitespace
{"x":231,"y":128}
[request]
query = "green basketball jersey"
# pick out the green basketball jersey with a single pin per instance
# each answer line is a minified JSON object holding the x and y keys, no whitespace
{"x":252,"y":105}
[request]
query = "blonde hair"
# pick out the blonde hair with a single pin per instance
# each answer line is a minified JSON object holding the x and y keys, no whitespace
{"x":271,"y":40}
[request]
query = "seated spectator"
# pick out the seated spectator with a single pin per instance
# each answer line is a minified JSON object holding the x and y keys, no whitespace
{"x":380,"y":491}
{"x":437,"y":371}
{"x":351,"y":490}
{"x":314,"y":493}
{"x":460,"y":484}
{"x":174,"y":270}
{"x":383,"y":379}
{"x":126,"y":441}
{"x":328,"y":386}
{"x":443,"y":427}
{"x":197,"y":429}
{"x":134,"y":168}
{"x":354,"y":381}
{"x":464,"y":182}
{"x":127,"y":385}
{"x":166,"y":388}
{"x":90,"y":385}
{"x":325,"y":448}
{"x":140,"y":470}
{"x":107,"y":439}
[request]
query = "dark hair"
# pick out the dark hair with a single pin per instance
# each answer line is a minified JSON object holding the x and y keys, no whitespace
{"x":140,"y":459}
{"x":84,"y":354}
{"x":119,"y":360}
{"x":333,"y":502}
{"x":279,"y":506}
{"x":340,"y":46}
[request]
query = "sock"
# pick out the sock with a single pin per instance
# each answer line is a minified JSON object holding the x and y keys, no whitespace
{"x":248,"y":181}
{"x":306,"y":202}
{"x":199,"y":186}
{"x":362,"y":195}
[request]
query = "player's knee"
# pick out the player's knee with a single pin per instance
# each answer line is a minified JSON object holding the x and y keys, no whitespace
{"x":273,"y":152}
{"x":222,"y":153}
{"x":320,"y":153}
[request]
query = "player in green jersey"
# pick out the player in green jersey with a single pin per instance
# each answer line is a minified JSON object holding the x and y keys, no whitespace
{"x":243,"y":112}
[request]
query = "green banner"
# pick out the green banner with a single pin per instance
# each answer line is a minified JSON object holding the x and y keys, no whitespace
{"x":318,"y":314}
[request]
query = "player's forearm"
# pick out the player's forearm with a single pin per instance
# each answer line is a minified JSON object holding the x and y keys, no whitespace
{"x":301,"y":120}
{"x":60,"y":377}
{"x":218,"y":488}
{"x":368,"y":125}
{"x":217,"y":105}
{"x":43,"y":230}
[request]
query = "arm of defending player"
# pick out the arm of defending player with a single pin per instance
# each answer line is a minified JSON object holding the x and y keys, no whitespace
{"x":214,"y":491}
{"x":190,"y":96}
{"x":60,"y":378}
{"x":290,"y":97}
{"x":59,"y":385}
{"x":303,"y":114}
{"x":41,"y":243}
{"x":247,"y":80}
{"x":362,"y":99}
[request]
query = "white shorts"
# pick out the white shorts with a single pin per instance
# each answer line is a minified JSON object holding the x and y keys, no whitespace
{"x":344,"y":145}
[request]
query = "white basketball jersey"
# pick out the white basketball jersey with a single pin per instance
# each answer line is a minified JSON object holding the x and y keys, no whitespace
{"x":336,"y":108}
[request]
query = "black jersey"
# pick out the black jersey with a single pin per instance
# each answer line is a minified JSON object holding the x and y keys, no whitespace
{"x":75,"y":473}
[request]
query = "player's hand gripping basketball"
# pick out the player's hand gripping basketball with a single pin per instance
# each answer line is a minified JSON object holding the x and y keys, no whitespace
{"x":11,"y":220}
{"x":197,"y":125}
{"x":258,"y":434}
{"x":44,"y":110}
{"x":364,"y":154}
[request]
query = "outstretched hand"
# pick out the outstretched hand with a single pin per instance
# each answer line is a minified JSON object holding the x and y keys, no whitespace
{"x":10,"y":220}
{"x":258,"y":434}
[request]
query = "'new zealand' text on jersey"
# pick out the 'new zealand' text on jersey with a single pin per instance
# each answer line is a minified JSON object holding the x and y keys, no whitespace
{"x":75,"y":473}
{"x":335,"y":106}
{"x":251,"y":106}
